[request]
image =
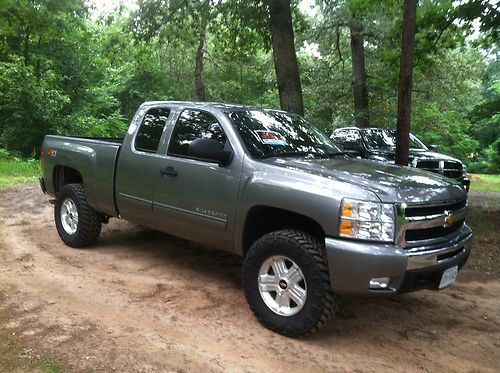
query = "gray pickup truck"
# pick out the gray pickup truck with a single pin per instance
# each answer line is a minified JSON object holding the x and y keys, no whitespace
{"x":310,"y":222}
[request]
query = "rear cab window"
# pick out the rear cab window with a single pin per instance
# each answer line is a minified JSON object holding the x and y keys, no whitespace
{"x":151,"y":129}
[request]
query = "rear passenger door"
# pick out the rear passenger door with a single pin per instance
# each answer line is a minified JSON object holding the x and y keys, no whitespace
{"x":195,"y":198}
{"x":137,"y":168}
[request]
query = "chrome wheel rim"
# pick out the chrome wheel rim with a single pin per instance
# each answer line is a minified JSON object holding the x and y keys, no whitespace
{"x":69,"y":216}
{"x":282,"y":285}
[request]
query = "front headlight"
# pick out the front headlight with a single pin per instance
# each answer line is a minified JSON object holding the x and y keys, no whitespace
{"x":366,"y":220}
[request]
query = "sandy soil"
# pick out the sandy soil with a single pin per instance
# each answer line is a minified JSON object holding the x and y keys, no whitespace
{"x":144,"y":301}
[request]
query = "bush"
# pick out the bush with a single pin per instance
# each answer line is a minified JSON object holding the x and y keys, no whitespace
{"x":29,"y":108}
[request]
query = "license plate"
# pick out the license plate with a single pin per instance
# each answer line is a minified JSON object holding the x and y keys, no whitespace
{"x":449,"y":276}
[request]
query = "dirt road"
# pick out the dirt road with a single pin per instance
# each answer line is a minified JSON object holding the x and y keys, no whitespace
{"x":145,"y":301}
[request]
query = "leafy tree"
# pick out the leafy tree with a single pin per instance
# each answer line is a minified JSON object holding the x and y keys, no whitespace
{"x":178,"y":22}
{"x":485,"y":118}
{"x":29,"y":107}
{"x":65,"y":72}
{"x":405,"y":81}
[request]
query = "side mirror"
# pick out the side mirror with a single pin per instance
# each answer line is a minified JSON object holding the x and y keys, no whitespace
{"x":211,"y":150}
{"x":353,"y":146}
{"x":434,"y":148}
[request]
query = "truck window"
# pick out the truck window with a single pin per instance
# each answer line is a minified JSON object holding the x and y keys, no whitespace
{"x":339,"y":137}
{"x":152,"y":125}
{"x":192,"y":125}
{"x":353,"y":136}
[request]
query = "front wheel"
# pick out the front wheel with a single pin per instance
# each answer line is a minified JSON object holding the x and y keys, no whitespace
{"x":287,"y":285}
{"x":78,"y":224}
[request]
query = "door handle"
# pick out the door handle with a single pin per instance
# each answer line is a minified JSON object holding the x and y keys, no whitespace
{"x":168,"y":171}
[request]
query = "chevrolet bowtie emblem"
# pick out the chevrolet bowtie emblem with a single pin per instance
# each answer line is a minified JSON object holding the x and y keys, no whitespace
{"x":449,"y":219}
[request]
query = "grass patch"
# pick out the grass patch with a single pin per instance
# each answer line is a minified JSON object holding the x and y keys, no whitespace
{"x":484,"y":218}
{"x":477,"y":221}
{"x":14,"y":170}
{"x":485,"y":182}
{"x":49,"y":366}
{"x":13,"y":358}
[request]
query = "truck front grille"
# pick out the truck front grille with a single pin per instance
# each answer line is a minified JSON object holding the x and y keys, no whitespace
{"x":421,"y":225}
{"x":418,"y":210}
{"x":450,"y":169}
{"x":413,"y":235}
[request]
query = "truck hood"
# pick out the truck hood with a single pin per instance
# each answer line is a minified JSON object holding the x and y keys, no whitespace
{"x":428,"y":154}
{"x":390,"y":183}
{"x":390,"y":155}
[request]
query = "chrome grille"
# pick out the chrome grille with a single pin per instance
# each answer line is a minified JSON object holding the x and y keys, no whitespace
{"x":450,"y":169}
{"x":424,"y":210}
{"x":413,"y":235}
{"x":421,"y":225}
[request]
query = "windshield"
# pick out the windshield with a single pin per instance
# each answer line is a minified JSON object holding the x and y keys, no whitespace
{"x":379,"y":138}
{"x":273,"y":134}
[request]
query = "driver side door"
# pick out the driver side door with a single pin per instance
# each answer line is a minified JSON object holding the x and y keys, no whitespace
{"x":196,"y":198}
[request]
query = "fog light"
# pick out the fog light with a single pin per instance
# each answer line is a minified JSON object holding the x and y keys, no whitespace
{"x":380,"y":283}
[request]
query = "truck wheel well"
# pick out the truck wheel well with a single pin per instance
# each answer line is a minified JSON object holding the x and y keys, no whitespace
{"x":264,"y":219}
{"x":65,"y":175}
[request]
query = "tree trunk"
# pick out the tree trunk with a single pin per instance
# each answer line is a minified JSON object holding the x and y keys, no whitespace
{"x":26,"y":46}
{"x":199,"y":82}
{"x":285,"y":59}
{"x":405,"y":82}
{"x":360,"y":90}
{"x":38,"y":72}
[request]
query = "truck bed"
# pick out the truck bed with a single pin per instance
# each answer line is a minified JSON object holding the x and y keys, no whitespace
{"x":94,"y":158}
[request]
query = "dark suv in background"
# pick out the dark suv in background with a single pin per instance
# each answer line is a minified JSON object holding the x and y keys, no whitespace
{"x":380,"y":145}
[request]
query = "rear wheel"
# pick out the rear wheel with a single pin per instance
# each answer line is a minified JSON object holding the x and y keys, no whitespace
{"x":287,"y":284}
{"x":78,"y":224}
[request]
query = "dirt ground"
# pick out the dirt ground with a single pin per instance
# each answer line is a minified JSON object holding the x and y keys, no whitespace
{"x":145,"y":301}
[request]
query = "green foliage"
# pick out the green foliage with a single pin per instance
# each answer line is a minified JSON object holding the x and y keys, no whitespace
{"x":453,"y":100}
{"x":488,"y":160}
{"x":64,"y":72}
{"x":29,"y":107}
{"x":485,"y":118}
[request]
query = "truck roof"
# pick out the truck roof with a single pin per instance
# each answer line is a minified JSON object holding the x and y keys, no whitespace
{"x":228,"y":107}
{"x":363,"y":128}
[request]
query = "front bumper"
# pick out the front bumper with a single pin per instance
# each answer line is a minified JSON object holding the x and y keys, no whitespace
{"x":352,"y":264}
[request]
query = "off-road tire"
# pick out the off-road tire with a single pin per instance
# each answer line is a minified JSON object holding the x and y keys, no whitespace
{"x":89,"y":220}
{"x":309,"y":254}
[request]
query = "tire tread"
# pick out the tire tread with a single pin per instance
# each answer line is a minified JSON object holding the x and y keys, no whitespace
{"x":89,"y":220}
{"x":317,"y":253}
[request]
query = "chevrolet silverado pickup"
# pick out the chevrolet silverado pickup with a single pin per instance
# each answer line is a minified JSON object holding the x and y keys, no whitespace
{"x":310,"y":222}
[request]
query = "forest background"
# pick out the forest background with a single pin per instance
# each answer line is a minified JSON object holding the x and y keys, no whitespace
{"x":67,"y":68}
